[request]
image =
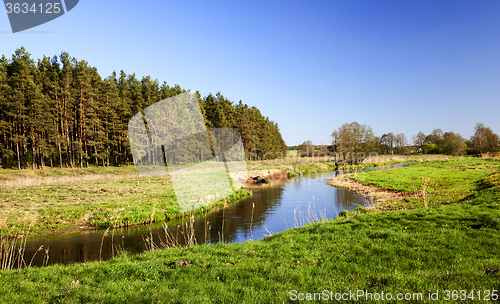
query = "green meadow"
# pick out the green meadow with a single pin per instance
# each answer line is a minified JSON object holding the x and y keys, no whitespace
{"x":55,"y":200}
{"x":447,"y":248}
{"x":434,"y":183}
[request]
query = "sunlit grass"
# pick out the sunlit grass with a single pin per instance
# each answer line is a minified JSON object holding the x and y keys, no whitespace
{"x":447,"y":247}
{"x":120,"y":201}
{"x":445,"y":182}
{"x":442,"y":247}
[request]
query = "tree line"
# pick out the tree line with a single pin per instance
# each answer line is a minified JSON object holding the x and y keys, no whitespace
{"x":59,"y":111}
{"x":484,"y":140}
{"x":352,"y":142}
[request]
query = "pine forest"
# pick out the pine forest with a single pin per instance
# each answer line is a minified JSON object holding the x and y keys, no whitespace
{"x":59,"y":112}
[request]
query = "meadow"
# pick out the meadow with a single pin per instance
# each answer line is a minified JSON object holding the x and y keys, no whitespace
{"x":58,"y":200}
{"x":446,"y":250}
{"x":434,"y":183}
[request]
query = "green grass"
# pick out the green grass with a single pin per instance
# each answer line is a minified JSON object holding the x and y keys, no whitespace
{"x":438,"y":248}
{"x":445,"y":182}
{"x":112,"y":199}
{"x":446,"y":246}
{"x":52,"y":200}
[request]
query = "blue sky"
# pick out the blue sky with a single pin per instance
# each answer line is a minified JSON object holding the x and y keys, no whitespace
{"x":397,"y":66}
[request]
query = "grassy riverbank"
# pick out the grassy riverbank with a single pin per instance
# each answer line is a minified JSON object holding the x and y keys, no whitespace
{"x":450,"y":245}
{"x":431,"y":183}
{"x":56,"y":200}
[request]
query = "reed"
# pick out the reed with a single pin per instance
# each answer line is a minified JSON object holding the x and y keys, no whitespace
{"x":106,"y":232}
{"x":223,"y":220}
{"x":425,"y":182}
{"x":168,"y":240}
{"x":311,"y":215}
{"x":251,"y":221}
{"x":13,"y":249}
{"x":46,"y":257}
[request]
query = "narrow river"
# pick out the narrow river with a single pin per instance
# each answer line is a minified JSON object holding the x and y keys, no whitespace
{"x":272,"y":208}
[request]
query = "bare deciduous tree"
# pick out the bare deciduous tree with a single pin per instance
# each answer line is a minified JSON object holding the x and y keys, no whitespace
{"x":484,"y":139}
{"x":306,"y":148}
{"x":419,"y":140}
{"x":353,"y":142}
{"x":388,"y":140}
{"x":401,"y":140}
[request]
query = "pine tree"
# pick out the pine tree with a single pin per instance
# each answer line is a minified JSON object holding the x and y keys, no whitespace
{"x":6,"y":128}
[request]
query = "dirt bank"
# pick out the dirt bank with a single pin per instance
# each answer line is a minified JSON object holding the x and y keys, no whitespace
{"x":245,"y":177}
{"x":373,"y":193}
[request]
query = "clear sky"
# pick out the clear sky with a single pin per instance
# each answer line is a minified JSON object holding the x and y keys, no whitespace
{"x":397,"y":66}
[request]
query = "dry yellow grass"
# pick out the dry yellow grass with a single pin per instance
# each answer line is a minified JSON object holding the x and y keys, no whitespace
{"x":398,"y":158}
{"x":372,"y":159}
{"x":58,"y":180}
{"x":288,"y":161}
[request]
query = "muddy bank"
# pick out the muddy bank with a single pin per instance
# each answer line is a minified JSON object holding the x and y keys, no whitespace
{"x":246,"y":177}
{"x":373,"y":193}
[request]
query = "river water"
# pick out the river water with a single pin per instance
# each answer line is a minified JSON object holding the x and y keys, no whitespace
{"x":274,"y":207}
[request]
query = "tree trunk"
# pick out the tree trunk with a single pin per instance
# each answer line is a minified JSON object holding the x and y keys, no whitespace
{"x":42,"y":160}
{"x":34,"y":152}
{"x":96,"y":159}
{"x":60,"y":156}
{"x":25,"y":148}
{"x":18,"y":157}
{"x":126,"y":156}
{"x":70,"y":154}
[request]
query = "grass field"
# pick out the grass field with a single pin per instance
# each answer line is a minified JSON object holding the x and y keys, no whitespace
{"x":452,"y":247}
{"x":434,"y":183}
{"x":446,"y":246}
{"x":45,"y":201}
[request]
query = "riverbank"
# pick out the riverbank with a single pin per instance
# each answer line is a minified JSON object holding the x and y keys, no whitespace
{"x":420,"y":184}
{"x":63,"y":200}
{"x":294,"y":162}
{"x":372,"y":193}
{"x":405,"y":254}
